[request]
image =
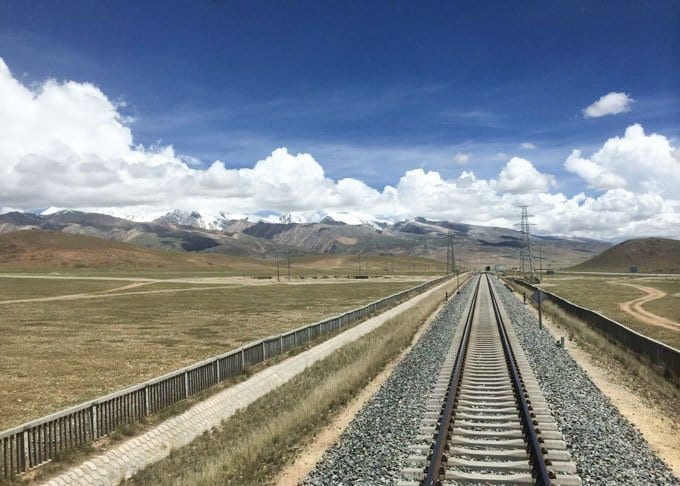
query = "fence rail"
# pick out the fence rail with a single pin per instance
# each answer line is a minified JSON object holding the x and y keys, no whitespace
{"x":36,"y":442}
{"x":663,"y":357}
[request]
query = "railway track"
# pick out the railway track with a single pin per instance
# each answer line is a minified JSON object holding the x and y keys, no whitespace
{"x":487,"y":421}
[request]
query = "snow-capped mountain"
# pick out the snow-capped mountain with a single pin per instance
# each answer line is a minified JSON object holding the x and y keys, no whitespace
{"x":336,"y":233}
{"x":183,"y":218}
{"x":220,"y":221}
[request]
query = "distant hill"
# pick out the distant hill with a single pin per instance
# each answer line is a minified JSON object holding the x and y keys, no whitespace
{"x":52,"y":251}
{"x":650,"y":255}
{"x":39,"y":250}
{"x":475,"y":245}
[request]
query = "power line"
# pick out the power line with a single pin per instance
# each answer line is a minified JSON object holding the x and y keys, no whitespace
{"x":526,"y":261}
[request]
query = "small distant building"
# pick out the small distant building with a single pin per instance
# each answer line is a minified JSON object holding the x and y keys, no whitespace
{"x":550,"y":272}
{"x":633,"y":269}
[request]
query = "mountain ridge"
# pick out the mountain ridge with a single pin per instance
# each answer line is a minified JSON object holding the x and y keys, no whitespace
{"x":179,"y":230}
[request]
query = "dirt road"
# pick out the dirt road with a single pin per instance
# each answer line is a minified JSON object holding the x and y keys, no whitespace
{"x":635,"y":309}
{"x":217,"y":283}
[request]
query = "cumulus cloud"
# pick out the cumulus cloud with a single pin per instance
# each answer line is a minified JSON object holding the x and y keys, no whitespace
{"x":643,"y":163}
{"x":462,"y":158}
{"x":610,"y":104}
{"x":527,"y":146}
{"x":519,"y":176}
{"x":65,"y":144}
{"x":594,"y":174}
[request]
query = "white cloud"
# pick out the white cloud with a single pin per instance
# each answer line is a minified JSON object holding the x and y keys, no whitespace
{"x":527,"y":146}
{"x":595,"y":175}
{"x":610,"y":104}
{"x":66,"y":145}
{"x":462,"y":158}
{"x":642,"y":163}
{"x":519,"y":176}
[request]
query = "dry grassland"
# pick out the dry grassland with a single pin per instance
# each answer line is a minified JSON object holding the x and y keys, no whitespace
{"x":22,"y":288}
{"x":605,"y":294}
{"x":255,"y":443}
{"x":58,"y":353}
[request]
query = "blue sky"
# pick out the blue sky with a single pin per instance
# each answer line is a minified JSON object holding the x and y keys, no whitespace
{"x":370,"y":88}
{"x":403,"y":94}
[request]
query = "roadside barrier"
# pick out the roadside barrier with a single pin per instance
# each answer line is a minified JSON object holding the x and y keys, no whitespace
{"x":38,"y":441}
{"x":664,"y":358}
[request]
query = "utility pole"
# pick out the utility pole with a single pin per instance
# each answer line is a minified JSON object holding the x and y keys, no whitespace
{"x":540,"y":261}
{"x":288,"y":255}
{"x":450,"y":255}
{"x":278,"y":271}
{"x":526,"y":262}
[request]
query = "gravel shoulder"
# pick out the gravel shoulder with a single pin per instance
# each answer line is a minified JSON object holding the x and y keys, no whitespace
{"x":606,"y":447}
{"x":313,"y":452}
{"x":652,"y":414}
{"x":374,"y":448}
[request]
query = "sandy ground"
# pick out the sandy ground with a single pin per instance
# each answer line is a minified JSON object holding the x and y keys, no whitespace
{"x":635,"y":309}
{"x":312,"y":453}
{"x":659,"y":427}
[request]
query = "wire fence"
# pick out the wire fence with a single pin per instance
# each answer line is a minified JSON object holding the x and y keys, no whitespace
{"x":36,"y":442}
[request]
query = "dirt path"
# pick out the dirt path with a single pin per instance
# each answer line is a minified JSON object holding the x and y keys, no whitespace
{"x":218,"y":282}
{"x":659,"y":426}
{"x":105,"y":293}
{"x":224,"y":280}
{"x":635,"y":309}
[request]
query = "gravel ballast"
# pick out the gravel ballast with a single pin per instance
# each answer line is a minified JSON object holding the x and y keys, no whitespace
{"x":606,"y":448}
{"x":374,"y":447}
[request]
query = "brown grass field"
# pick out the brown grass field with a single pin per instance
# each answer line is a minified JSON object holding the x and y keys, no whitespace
{"x":605,"y":294}
{"x":55,"y":353}
{"x":252,"y":446}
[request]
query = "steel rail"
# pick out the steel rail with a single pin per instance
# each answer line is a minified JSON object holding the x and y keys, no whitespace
{"x":537,"y":460}
{"x":434,"y":469}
